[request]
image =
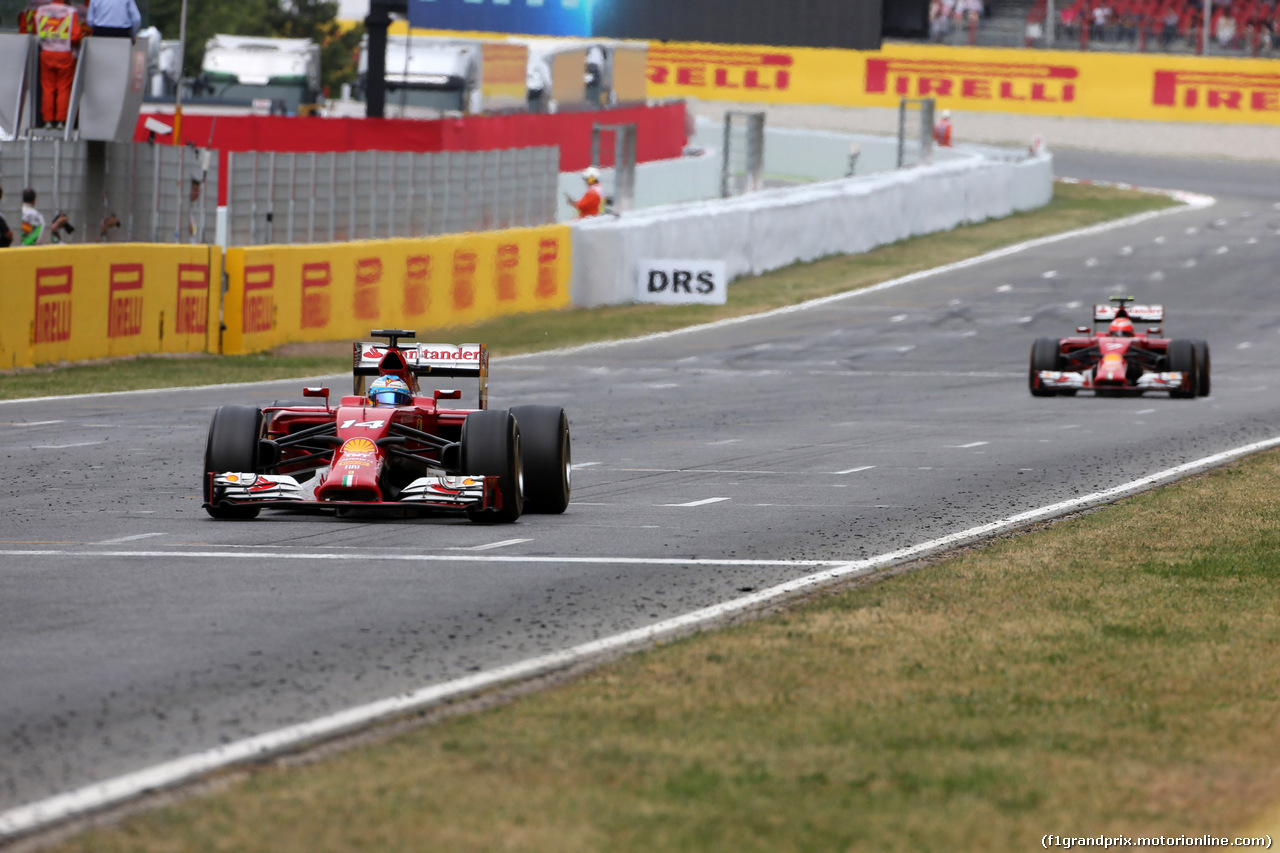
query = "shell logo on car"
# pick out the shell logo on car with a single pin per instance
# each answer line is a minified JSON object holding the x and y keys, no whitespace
{"x":359,"y":445}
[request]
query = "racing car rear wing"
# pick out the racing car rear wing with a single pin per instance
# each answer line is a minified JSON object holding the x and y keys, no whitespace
{"x":1138,"y":313}
{"x":445,"y":361}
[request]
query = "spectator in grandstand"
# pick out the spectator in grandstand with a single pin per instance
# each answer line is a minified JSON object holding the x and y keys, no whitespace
{"x":59,"y":32}
{"x":942,"y":130}
{"x":113,"y":18}
{"x":6,"y":233}
{"x":593,"y":199}
{"x":939,"y":21}
{"x":1101,"y":18}
{"x":1168,"y":27}
{"x":1069,"y":17}
{"x":1193,"y":30}
{"x":1128,"y":27}
{"x":1225,"y":31}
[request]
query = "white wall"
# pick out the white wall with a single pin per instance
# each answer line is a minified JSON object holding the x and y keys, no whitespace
{"x":770,"y":229}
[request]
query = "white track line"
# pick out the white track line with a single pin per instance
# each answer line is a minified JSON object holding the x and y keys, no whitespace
{"x":702,"y":502}
{"x":1190,"y":201}
{"x":171,"y":556}
{"x":121,"y":540}
{"x":121,"y":788}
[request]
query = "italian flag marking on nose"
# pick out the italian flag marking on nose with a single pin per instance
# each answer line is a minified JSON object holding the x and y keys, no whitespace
{"x":349,"y":479}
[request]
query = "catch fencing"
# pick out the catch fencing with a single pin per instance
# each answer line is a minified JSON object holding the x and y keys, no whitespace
{"x":159,"y":193}
{"x":168,"y":194}
{"x":289,"y":198}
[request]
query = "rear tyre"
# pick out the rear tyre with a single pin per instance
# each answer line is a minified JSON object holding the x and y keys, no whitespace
{"x":491,"y":445}
{"x":232,"y":445}
{"x":1182,"y":359}
{"x":1202,"y":363}
{"x":1044,"y":356}
{"x":544,"y":438}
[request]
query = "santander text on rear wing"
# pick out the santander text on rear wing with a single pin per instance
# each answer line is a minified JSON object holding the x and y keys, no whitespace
{"x":427,"y":362}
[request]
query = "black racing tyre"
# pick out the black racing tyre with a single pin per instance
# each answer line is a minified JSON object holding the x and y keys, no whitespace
{"x":544,"y":438}
{"x":234,"y":433}
{"x":1044,"y":356}
{"x":1202,"y":364}
{"x":1182,"y":359}
{"x":491,"y":445}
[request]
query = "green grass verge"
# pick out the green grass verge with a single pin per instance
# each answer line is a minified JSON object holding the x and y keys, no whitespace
{"x":1114,"y":674}
{"x":1073,"y":206}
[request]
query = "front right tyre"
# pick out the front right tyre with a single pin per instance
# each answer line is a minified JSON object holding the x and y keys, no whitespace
{"x":1044,"y":356}
{"x":491,"y":445}
{"x":232,"y":445}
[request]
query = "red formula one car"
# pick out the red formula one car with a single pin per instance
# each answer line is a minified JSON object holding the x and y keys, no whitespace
{"x":391,"y":447}
{"x":1119,"y":361}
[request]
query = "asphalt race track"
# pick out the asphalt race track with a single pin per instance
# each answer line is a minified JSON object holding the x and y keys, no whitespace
{"x":144,"y":630}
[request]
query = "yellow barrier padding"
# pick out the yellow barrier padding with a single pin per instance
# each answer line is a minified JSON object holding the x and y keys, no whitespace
{"x":1150,"y":86}
{"x":78,"y":303}
{"x":336,"y":291}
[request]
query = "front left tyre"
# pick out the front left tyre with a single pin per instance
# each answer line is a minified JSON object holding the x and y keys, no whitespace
{"x":232,"y":445}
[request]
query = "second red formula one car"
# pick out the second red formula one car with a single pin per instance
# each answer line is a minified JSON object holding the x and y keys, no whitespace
{"x":1120,"y":361}
{"x":389,"y":447}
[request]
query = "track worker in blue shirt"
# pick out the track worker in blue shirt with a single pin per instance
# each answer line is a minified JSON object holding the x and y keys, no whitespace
{"x":113,"y":18}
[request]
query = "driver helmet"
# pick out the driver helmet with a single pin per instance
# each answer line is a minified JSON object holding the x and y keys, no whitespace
{"x":389,"y":391}
{"x":1121,"y":327}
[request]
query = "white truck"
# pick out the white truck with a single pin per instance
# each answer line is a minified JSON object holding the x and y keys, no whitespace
{"x":424,"y":72}
{"x":282,"y":73}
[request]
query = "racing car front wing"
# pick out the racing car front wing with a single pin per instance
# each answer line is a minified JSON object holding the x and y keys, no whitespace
{"x":435,"y":492}
{"x":1171,"y":381}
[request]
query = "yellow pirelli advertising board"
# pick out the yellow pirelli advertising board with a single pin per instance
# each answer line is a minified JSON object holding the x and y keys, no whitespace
{"x":1153,"y":87}
{"x":78,"y":303}
{"x":284,"y":294}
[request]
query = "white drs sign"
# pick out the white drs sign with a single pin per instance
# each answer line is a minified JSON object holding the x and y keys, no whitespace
{"x":680,"y":282}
